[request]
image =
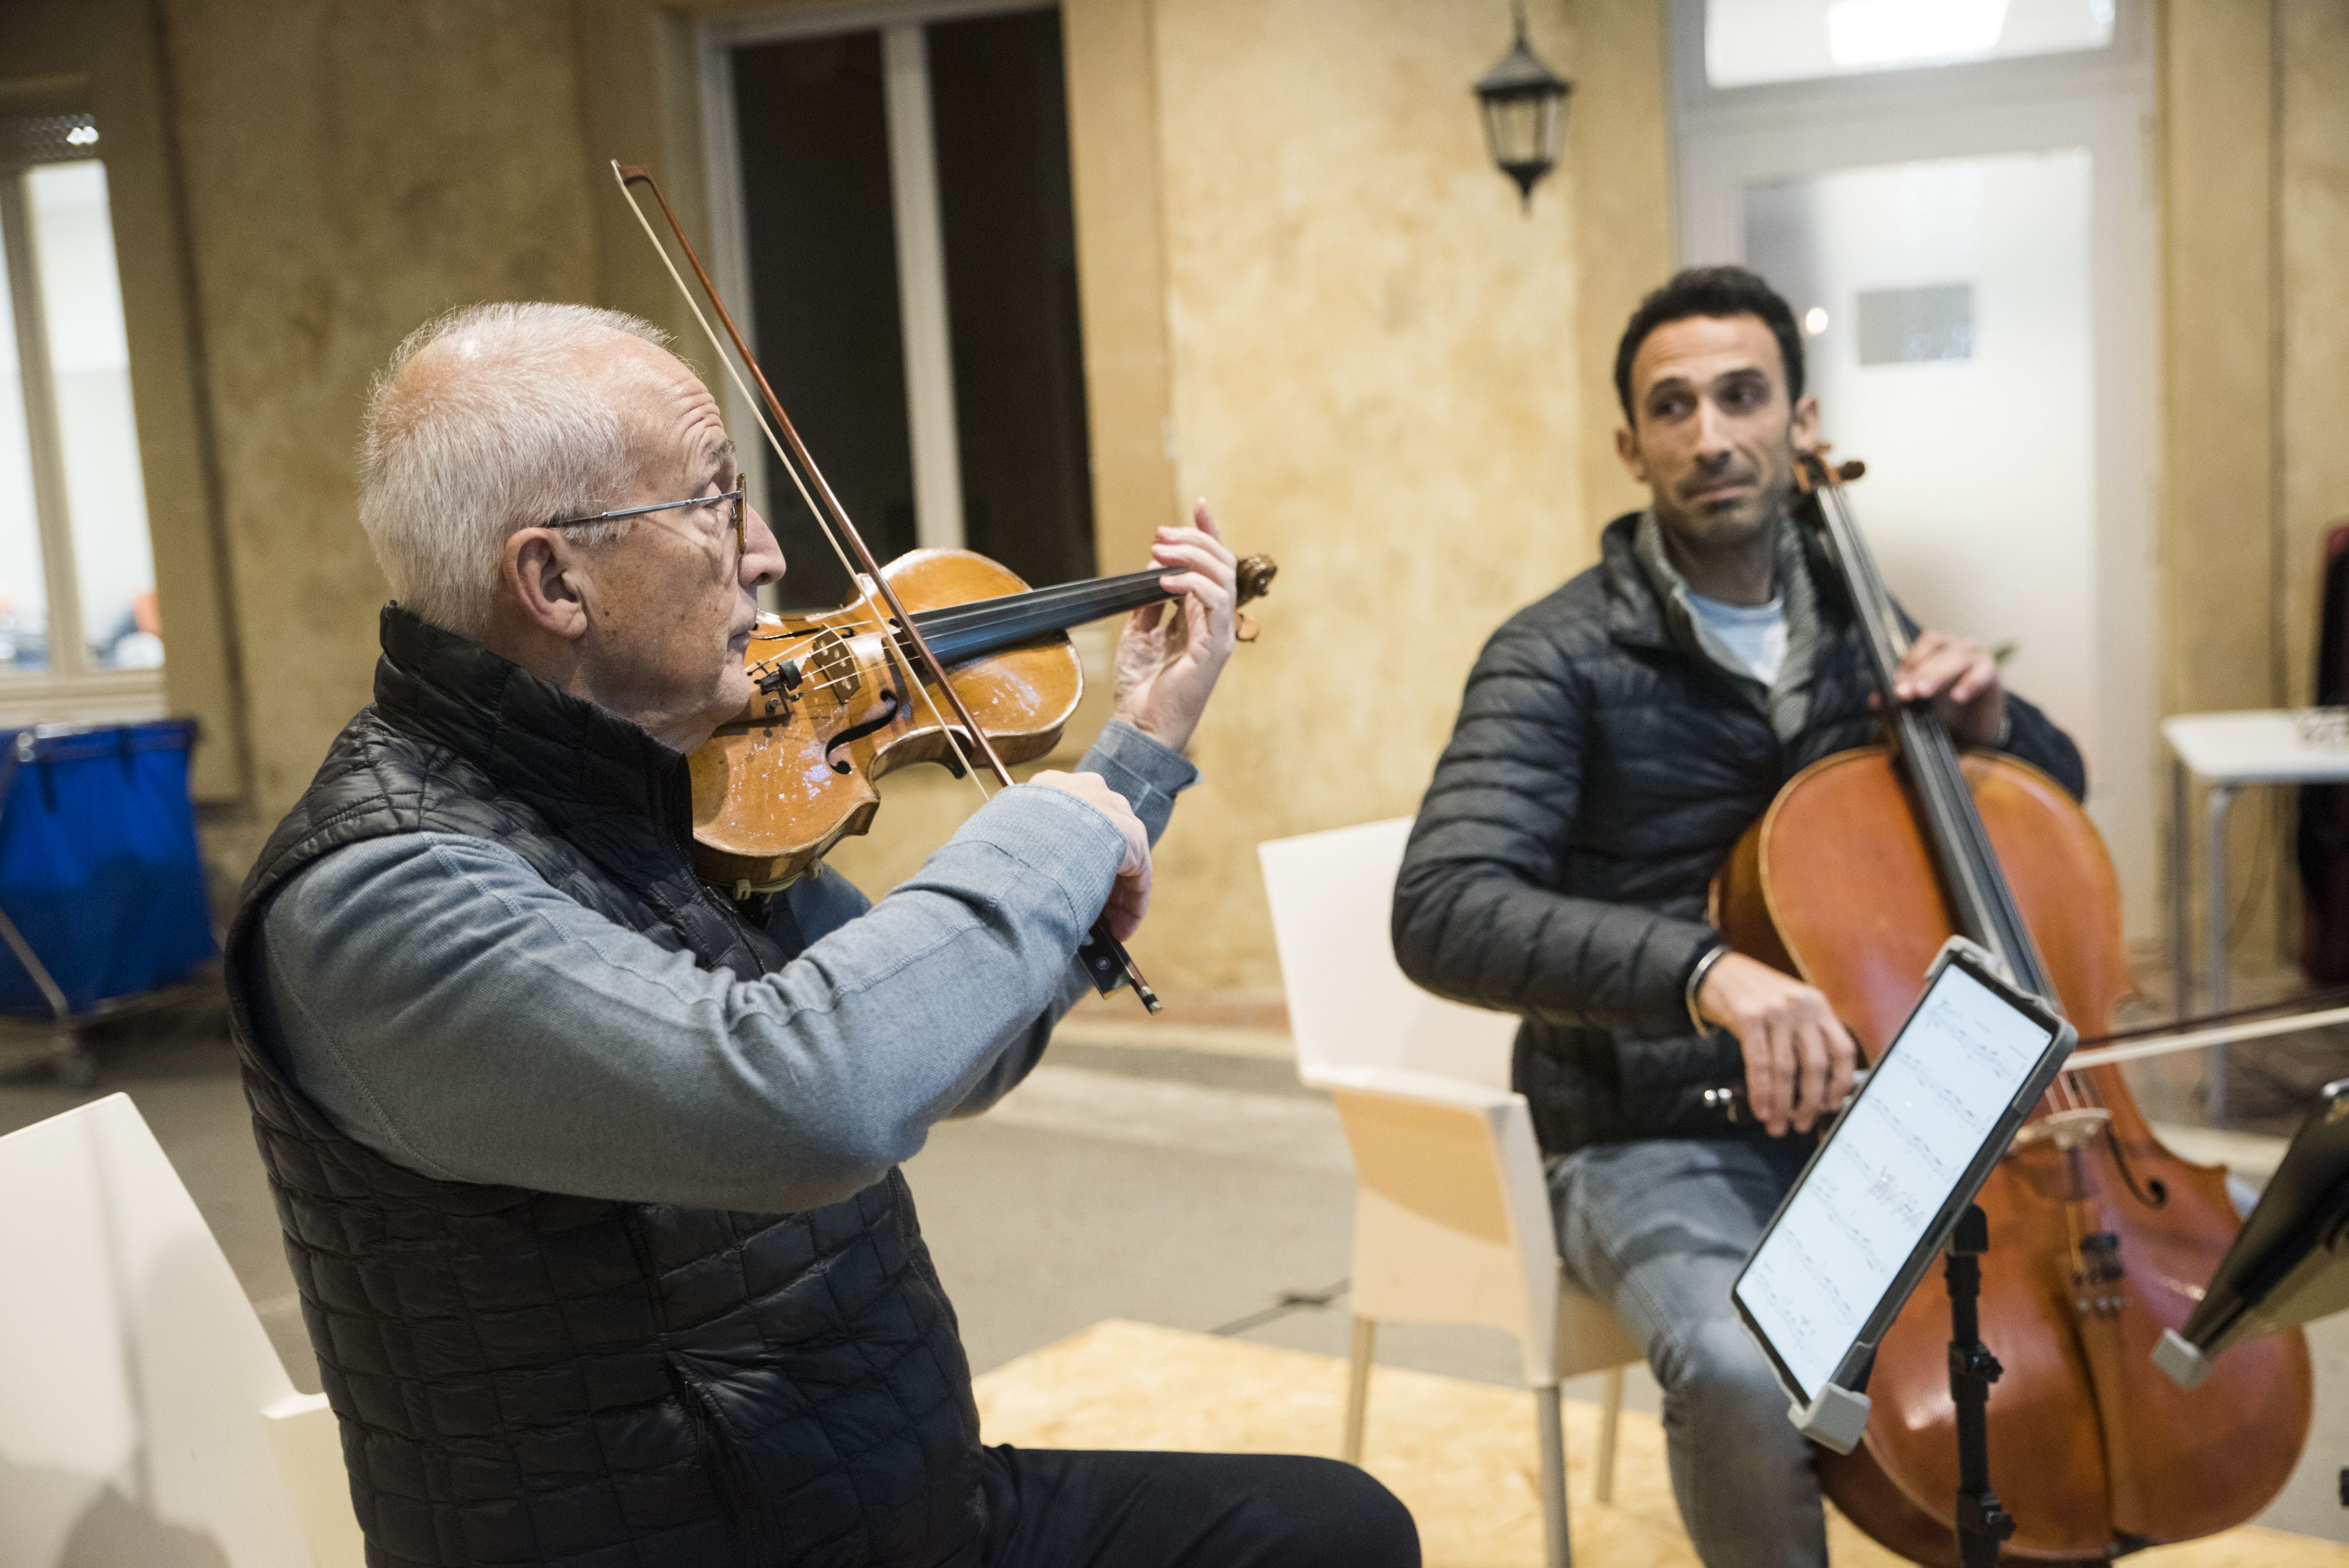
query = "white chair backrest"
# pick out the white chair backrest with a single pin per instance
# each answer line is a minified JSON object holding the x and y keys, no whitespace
{"x":132,"y":1369}
{"x":1348,"y":1004}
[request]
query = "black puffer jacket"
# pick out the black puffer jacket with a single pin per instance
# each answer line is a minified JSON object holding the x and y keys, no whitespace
{"x":1600,"y":770}
{"x":533,"y":1377}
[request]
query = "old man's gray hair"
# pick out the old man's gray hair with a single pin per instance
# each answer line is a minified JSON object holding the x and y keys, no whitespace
{"x":506,"y":434}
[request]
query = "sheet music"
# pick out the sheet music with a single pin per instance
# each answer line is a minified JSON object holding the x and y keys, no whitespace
{"x":1887,"y":1169}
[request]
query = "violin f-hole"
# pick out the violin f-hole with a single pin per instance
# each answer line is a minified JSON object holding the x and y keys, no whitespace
{"x":881,"y":720}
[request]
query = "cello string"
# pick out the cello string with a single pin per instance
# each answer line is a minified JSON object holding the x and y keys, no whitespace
{"x":2028,"y":967}
{"x":2068,"y":1091}
{"x":823,"y":523}
{"x":1937,"y":772}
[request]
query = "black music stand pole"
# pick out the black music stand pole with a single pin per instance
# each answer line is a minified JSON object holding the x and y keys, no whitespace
{"x":1982,"y":1524}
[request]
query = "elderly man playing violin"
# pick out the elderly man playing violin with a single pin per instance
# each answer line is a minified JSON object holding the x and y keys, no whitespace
{"x":1616,"y":738}
{"x":589,"y":1176}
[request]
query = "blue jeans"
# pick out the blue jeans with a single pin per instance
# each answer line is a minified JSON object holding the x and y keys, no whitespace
{"x":1658,"y":1230}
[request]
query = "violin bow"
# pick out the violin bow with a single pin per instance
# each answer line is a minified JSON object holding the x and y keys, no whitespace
{"x":1107,"y":963}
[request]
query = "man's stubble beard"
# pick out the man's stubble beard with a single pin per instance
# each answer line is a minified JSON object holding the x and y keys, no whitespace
{"x":1756,"y":520}
{"x":1717,"y":536}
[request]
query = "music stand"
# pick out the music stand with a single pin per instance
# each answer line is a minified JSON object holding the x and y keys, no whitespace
{"x":2290,"y":1262}
{"x":1889,"y":1186}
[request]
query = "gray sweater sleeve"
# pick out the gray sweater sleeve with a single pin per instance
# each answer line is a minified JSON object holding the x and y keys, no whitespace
{"x":1149,"y":776}
{"x":447,"y":1007}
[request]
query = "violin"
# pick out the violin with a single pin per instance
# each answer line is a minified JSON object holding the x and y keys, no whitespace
{"x":918,"y":676}
{"x":2099,"y":1236}
{"x":831,"y":711}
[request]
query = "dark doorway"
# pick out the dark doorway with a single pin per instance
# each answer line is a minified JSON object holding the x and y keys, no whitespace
{"x":822,"y":200}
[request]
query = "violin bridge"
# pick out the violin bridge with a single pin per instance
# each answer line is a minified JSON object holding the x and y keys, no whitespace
{"x":832,"y":666}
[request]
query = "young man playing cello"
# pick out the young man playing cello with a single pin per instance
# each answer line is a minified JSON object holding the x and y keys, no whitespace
{"x":1615,"y":739}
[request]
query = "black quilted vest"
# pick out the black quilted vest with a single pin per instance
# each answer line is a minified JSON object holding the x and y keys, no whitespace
{"x":527,"y":1378}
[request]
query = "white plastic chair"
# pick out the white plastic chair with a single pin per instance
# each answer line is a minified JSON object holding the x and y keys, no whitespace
{"x":144,"y":1415}
{"x":1452,"y":1219}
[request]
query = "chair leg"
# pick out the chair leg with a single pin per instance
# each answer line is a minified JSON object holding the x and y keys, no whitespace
{"x":1550,"y":1429}
{"x":1358,"y":1386}
{"x":1611,"y":1416}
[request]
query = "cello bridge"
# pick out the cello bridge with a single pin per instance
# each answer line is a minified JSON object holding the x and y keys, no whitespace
{"x":2096,"y":1274}
{"x":2065,"y":1130}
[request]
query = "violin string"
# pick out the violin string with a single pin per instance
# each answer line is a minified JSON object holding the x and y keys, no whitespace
{"x":830,"y":682}
{"x":890,"y":640}
{"x":774,"y":443}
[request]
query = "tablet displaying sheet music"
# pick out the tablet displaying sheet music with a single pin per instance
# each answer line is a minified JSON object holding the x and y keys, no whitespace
{"x":1880,"y":1194}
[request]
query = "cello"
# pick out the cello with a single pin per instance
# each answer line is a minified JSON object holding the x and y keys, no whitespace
{"x":2099,"y":1236}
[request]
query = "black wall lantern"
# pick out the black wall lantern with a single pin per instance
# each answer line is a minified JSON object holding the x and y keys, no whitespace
{"x":1524,"y":103}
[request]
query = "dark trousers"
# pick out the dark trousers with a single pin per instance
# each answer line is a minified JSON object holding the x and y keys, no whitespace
{"x":1055,"y":1508}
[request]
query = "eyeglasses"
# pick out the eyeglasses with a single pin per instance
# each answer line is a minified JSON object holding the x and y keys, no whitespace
{"x":731,"y":500}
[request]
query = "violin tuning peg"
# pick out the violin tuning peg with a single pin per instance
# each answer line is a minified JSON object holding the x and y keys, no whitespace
{"x":1243,"y":627}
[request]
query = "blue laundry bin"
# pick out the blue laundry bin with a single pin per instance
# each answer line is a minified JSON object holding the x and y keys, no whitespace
{"x":99,"y":872}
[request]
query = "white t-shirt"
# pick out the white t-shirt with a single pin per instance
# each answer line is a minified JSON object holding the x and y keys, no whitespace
{"x":1756,"y":633}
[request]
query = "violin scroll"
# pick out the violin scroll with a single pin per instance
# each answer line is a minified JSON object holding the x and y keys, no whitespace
{"x":1254,"y":579}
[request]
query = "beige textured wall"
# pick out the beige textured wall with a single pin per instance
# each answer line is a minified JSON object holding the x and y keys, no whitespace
{"x":1114,"y":152}
{"x":2217,"y":532}
{"x":2218,"y":545}
{"x":1618,"y":159}
{"x":2313,"y":41}
{"x":351,"y":169}
{"x":108,"y":55}
{"x":2255,"y":147}
{"x":639,"y":102}
{"x":1375,"y":379}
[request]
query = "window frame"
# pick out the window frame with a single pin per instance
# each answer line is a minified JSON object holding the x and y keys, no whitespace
{"x":72,"y":686}
{"x":920,"y":237}
{"x":1912,"y":88}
